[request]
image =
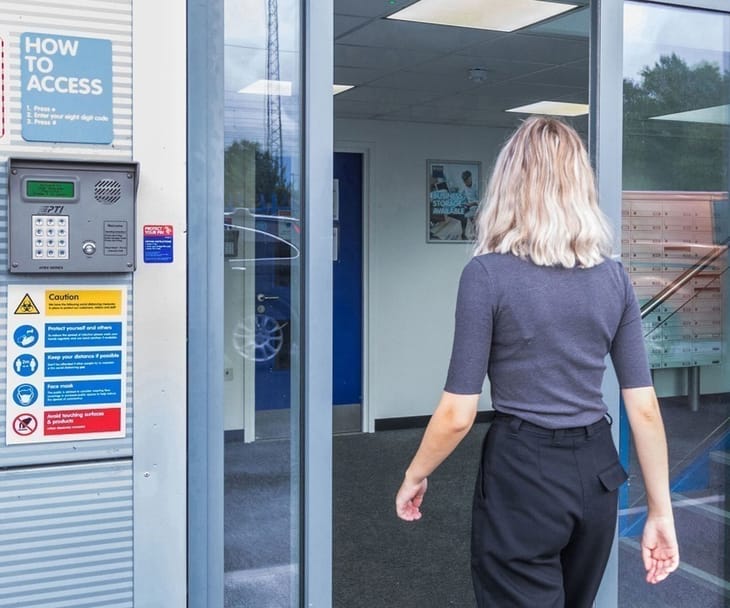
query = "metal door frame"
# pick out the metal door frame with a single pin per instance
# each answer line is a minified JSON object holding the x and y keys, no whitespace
{"x":606,"y":147}
{"x":205,"y":284}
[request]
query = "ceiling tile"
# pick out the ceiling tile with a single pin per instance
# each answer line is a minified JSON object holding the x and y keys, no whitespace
{"x":385,"y":60}
{"x":497,"y":69}
{"x":356,"y":76}
{"x":395,"y":96}
{"x":422,"y":81}
{"x":561,"y":75}
{"x":409,"y":35}
{"x":350,"y":108}
{"x":345,"y":23}
{"x":525,"y":47}
{"x":370,"y":8}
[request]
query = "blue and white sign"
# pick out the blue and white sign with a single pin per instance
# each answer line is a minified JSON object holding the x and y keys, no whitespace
{"x":82,"y":392}
{"x":25,"y":336}
{"x":86,"y":363}
{"x":66,"y":88}
{"x":68,"y":335}
{"x":157,"y":243}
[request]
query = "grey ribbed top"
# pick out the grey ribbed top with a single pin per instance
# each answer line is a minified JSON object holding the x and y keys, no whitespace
{"x":542,"y":334}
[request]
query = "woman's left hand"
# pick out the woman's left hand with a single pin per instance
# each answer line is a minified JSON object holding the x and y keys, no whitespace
{"x":409,"y":499}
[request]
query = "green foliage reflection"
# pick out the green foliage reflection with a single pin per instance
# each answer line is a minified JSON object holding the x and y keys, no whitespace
{"x":254,"y":178}
{"x":671,"y":154}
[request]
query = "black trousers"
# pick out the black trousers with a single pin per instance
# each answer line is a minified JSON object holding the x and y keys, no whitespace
{"x":544,"y":514}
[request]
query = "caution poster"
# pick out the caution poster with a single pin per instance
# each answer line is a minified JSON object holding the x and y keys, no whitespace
{"x":66,"y":363}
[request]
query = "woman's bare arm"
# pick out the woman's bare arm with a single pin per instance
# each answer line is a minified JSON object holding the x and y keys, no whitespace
{"x":449,"y":424}
{"x":659,"y":548}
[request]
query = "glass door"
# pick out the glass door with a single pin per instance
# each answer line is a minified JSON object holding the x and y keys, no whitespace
{"x":261,"y":233}
{"x":675,"y":230}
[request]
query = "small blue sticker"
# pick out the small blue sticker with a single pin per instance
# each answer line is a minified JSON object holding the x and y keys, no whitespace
{"x":157,"y":244}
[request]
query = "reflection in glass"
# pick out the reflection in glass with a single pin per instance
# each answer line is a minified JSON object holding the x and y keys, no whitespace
{"x":261,"y":236}
{"x":675,"y":231}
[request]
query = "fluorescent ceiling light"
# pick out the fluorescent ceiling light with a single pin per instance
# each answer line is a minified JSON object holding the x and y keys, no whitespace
{"x":553,"y":108}
{"x":341,"y":88}
{"x":716,"y":115}
{"x":279,"y":88}
{"x":500,"y":15}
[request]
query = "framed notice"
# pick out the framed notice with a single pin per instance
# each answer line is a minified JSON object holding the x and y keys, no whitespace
{"x":453,"y":188}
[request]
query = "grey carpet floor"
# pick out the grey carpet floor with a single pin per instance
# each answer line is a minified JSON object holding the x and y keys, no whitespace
{"x":381,"y":562}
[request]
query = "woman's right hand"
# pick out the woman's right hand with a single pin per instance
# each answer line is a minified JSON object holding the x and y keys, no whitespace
{"x":659,"y":548}
{"x":409,"y":499}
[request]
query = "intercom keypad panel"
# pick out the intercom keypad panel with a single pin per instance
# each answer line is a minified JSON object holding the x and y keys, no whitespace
{"x":50,"y":237}
{"x":71,"y":216}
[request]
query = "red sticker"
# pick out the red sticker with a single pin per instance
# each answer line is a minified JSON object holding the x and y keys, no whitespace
{"x":74,"y":422}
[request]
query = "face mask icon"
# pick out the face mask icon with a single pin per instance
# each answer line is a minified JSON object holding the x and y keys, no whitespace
{"x":25,"y":394}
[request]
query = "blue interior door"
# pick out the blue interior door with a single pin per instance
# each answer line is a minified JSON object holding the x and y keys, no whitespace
{"x":347,"y":281}
{"x":273,"y":302}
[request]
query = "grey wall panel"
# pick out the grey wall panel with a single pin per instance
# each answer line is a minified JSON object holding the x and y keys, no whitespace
{"x":92,"y":19}
{"x":107,"y":19}
{"x":66,"y":536}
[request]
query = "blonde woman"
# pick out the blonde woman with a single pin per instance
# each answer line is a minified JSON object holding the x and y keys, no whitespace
{"x":539,"y":307}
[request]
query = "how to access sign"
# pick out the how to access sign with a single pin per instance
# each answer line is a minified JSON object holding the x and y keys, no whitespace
{"x":66,"y":367}
{"x":66,"y":88}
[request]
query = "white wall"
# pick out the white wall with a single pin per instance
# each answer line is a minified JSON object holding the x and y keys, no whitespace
{"x":160,"y":295}
{"x":412,"y":284}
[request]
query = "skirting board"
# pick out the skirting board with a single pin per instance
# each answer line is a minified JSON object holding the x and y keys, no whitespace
{"x":415,"y":422}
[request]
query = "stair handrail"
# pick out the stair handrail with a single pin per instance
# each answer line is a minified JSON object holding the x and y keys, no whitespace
{"x":667,"y":292}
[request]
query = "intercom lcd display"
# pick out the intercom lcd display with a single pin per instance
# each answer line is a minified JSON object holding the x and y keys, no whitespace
{"x":48,"y":189}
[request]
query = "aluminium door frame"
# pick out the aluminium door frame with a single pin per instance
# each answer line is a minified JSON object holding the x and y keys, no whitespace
{"x":606,"y":149}
{"x":205,"y":328}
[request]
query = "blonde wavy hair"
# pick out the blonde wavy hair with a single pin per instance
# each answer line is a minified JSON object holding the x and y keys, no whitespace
{"x":541,"y":202}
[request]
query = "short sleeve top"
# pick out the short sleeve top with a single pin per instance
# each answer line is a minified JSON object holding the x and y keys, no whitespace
{"x":542,"y":333}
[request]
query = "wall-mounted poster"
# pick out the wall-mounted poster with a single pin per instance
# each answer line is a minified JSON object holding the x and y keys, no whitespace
{"x":453,"y":198}
{"x":66,"y":89}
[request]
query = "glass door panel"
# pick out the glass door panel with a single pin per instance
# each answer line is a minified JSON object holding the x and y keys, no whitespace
{"x":675,"y":233}
{"x":261,"y":232}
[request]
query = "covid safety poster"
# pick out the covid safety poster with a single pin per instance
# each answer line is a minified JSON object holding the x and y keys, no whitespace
{"x":66,"y":363}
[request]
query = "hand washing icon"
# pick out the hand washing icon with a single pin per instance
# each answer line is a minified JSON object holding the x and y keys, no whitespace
{"x":25,"y":336}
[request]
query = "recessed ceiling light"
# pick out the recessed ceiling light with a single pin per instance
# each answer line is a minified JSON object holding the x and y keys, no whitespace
{"x":341,"y":88}
{"x":553,"y":108}
{"x":716,"y":115}
{"x":279,"y":88}
{"x":500,"y":15}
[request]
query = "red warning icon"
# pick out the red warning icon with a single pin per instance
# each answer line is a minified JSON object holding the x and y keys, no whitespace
{"x":25,"y":424}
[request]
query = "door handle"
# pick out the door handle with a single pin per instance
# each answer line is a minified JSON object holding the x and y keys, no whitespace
{"x":263,"y":297}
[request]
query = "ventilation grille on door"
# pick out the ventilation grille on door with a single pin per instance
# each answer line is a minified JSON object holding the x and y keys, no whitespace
{"x":107,"y":191}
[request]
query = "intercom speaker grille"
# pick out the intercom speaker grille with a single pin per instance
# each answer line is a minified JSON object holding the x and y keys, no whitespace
{"x":107,"y":191}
